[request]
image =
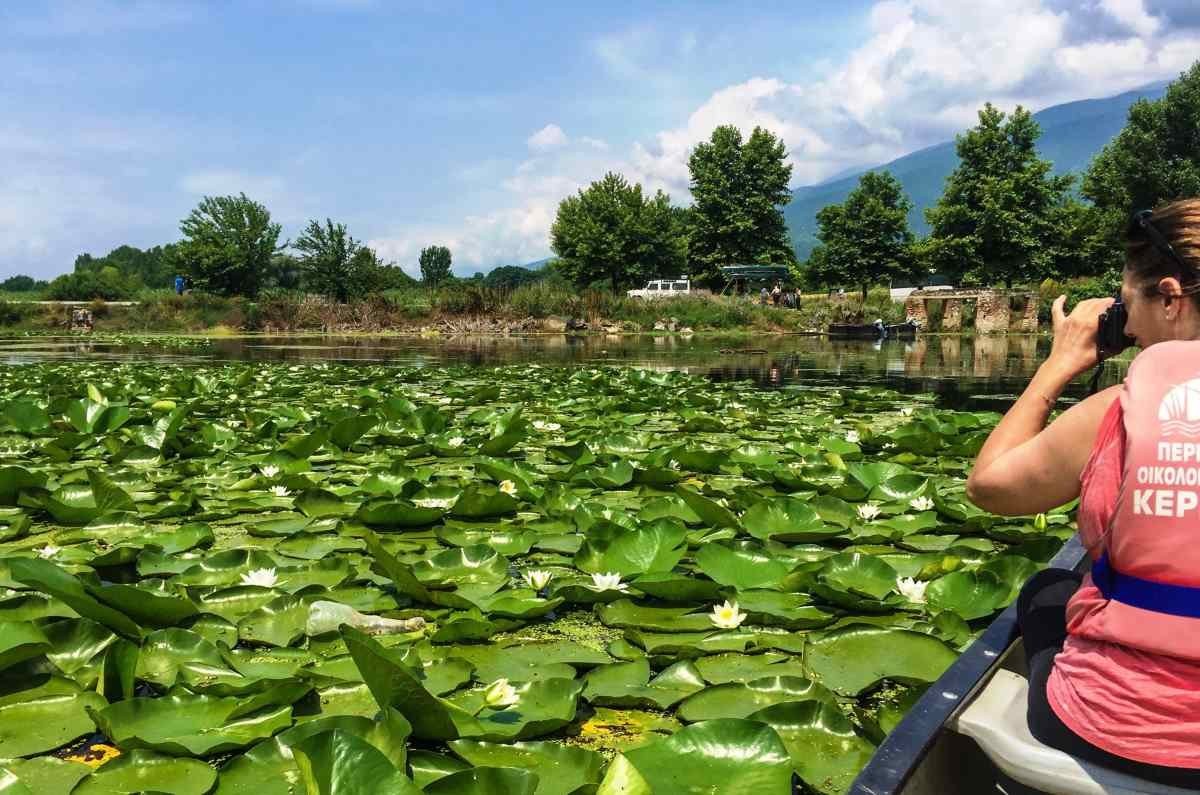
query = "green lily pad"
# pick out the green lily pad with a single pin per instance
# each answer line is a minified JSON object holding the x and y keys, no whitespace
{"x":713,"y":756}
{"x":739,"y":699}
{"x":146,"y":771}
{"x":827,"y":753}
{"x":857,"y":658}
{"x":187,"y":725}
{"x":630,"y":685}
{"x":45,"y":716}
{"x":560,"y":769}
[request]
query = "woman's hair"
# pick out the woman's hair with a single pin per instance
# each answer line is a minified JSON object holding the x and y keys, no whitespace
{"x":1148,"y":259}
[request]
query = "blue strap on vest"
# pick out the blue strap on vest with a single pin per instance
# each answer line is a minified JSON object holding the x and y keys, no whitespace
{"x":1159,"y":597}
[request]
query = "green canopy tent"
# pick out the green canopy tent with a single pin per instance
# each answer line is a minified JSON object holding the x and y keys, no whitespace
{"x":742,"y":277}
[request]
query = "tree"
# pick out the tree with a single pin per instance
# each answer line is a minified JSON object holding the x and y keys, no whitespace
{"x":435,"y":265}
{"x":738,"y":191}
{"x":996,"y":220}
{"x":611,"y":232}
{"x":1154,"y":159}
{"x":330,"y":261}
{"x":865,"y":239}
{"x":510,"y":277}
{"x":228,"y":243}
{"x":21,"y":284}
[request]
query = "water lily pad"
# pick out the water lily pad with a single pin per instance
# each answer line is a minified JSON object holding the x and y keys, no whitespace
{"x":44,"y":716}
{"x":856,"y":658}
{"x":713,"y":756}
{"x":630,"y":685}
{"x":742,"y":567}
{"x":827,"y":753}
{"x":187,"y":725}
{"x":337,"y":761}
{"x":486,"y":781}
{"x":146,"y":771}
{"x":20,"y":641}
{"x":740,"y":699}
{"x":788,"y":520}
{"x":560,"y":769}
{"x":655,"y":547}
{"x":970,"y":594}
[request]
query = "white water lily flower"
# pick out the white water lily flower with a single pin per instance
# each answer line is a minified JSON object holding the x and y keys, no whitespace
{"x":269,"y":471}
{"x":912,"y":590}
{"x":607,"y":582}
{"x":499,"y":695}
{"x":264,"y":578}
{"x":868,"y":512}
{"x":48,"y":551}
{"x":546,"y":426}
{"x":508,"y":487}
{"x":921,"y":504}
{"x":537,"y":579}
{"x":852,"y":437}
{"x":455,"y":441}
{"x":727,"y":616}
{"x":280,"y":491}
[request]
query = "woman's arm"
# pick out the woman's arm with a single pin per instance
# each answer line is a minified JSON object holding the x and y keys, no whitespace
{"x":1025,"y":467}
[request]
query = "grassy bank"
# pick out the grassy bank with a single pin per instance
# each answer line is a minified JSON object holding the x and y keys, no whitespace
{"x":463,"y":307}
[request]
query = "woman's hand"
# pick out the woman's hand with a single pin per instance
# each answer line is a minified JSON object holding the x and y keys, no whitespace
{"x":1074,"y":350}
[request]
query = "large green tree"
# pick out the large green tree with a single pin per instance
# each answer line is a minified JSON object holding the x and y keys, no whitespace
{"x":435,"y":265}
{"x":738,"y":190}
{"x":228,"y":244}
{"x":1154,"y":159}
{"x":330,"y":261}
{"x":1000,"y":214}
{"x":866,"y":239}
{"x":612,"y":232}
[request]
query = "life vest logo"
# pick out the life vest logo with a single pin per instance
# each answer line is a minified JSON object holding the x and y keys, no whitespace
{"x":1179,"y":411}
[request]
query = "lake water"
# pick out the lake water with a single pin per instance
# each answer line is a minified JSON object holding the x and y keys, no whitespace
{"x":966,"y":371}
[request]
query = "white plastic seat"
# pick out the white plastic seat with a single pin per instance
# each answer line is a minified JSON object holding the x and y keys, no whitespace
{"x":995,"y":720}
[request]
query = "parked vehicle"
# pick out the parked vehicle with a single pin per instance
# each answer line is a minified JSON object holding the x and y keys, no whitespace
{"x":663,"y":288}
{"x":968,"y":733}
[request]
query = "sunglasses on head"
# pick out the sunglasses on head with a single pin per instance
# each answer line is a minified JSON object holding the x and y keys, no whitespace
{"x":1143,"y":221}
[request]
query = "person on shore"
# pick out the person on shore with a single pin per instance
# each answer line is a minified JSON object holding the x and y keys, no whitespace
{"x":776,"y":294}
{"x":1114,"y":655}
{"x":763,"y":295}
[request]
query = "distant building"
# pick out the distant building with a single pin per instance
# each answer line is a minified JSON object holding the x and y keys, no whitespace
{"x":902,"y":288}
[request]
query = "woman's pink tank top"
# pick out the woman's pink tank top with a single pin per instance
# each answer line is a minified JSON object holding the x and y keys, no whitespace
{"x":1128,"y":679}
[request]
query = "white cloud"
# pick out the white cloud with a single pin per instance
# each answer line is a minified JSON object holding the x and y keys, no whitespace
{"x":1133,"y":15}
{"x":549,"y":137}
{"x":920,"y":77}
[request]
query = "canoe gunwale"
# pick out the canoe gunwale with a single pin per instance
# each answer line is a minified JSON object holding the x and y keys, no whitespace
{"x":904,"y":749}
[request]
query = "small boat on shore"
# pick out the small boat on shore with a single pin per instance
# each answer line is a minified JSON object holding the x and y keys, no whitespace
{"x":967,"y":735}
{"x":872,"y":331}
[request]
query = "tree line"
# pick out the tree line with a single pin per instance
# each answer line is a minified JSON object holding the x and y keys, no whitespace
{"x":1004,"y":217}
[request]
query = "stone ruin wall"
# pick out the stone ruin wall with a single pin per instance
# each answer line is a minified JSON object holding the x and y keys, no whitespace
{"x":992,"y":313}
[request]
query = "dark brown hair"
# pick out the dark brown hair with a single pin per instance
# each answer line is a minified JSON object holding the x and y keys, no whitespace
{"x":1179,"y":225}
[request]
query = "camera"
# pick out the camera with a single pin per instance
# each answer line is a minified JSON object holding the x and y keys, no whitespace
{"x":1110,"y":336}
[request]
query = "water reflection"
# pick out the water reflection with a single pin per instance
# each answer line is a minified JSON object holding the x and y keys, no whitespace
{"x":959,"y":367}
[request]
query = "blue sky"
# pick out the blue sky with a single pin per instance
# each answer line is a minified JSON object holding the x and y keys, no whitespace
{"x":465,"y":123}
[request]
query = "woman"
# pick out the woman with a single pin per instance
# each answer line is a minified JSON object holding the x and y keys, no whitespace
{"x":1114,"y":657}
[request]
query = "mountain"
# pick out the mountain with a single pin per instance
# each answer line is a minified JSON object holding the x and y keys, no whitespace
{"x":1072,"y":134}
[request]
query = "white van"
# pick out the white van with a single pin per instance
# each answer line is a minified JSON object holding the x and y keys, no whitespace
{"x":663,"y":288}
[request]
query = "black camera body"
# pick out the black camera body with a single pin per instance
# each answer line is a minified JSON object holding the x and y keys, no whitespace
{"x":1110,"y":336}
